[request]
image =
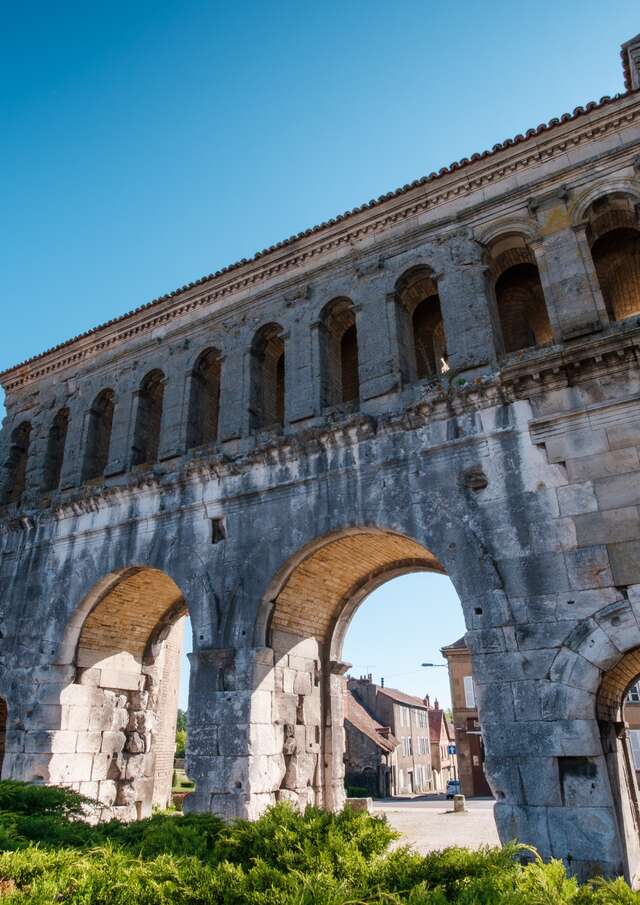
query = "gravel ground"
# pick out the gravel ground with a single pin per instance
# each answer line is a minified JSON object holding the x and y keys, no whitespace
{"x":428,"y":823}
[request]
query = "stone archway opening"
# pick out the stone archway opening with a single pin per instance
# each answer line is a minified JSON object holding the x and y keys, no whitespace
{"x":309,"y":615}
{"x":614,"y":700}
{"x":116,"y":740}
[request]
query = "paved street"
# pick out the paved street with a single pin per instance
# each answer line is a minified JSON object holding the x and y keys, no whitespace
{"x":428,"y":823}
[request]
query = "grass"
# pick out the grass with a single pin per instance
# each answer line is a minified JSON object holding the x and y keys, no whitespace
{"x":48,"y":855}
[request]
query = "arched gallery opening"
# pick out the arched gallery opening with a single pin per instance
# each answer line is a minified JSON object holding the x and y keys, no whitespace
{"x":307,"y":625}
{"x":613,"y":233}
{"x":116,"y":741}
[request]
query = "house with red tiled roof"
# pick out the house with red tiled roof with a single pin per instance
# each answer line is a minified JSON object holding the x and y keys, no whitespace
{"x":407,"y":717}
{"x":370,"y":751}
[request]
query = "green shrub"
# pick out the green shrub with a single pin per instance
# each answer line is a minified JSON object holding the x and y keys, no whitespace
{"x":284,"y":858}
{"x":24,"y":798}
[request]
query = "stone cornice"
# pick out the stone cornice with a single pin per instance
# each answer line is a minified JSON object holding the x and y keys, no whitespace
{"x":459,"y":180}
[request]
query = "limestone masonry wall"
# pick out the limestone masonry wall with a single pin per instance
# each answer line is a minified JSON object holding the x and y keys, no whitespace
{"x":260,"y":453}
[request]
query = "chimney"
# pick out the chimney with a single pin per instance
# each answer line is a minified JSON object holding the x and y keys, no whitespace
{"x":381,"y":681}
{"x":436,"y":705}
{"x":630,"y":53}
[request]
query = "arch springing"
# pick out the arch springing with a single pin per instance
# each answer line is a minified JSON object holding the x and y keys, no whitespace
{"x":146,"y":438}
{"x":339,"y":353}
{"x":100,"y":422}
{"x":267,"y":405}
{"x":613,"y":233}
{"x":204,"y":400}
{"x":56,"y":443}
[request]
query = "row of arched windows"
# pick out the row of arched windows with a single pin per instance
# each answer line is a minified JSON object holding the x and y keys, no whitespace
{"x":613,"y":234}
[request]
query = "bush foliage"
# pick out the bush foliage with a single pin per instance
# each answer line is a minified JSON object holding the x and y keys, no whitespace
{"x":48,"y":855}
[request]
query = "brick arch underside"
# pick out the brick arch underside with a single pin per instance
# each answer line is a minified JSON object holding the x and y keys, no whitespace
{"x":310,"y":615}
{"x":117,"y":739}
{"x":325,"y":582}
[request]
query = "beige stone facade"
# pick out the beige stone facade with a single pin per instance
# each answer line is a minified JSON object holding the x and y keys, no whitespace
{"x":466,"y":721}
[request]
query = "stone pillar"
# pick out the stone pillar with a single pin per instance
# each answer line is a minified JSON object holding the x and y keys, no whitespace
{"x":228,"y":752}
{"x":122,"y":427}
{"x":467,"y":311}
{"x":334,"y":735}
{"x":173,"y":432}
{"x":300,"y":379}
{"x":572,"y":293}
{"x":378,"y":368}
{"x":234,"y":394}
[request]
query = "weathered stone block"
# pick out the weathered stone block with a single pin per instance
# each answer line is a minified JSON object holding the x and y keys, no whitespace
{"x":575,"y":499}
{"x":113,"y":742}
{"x":610,"y":527}
{"x":89,"y":742}
{"x":616,"y":461}
{"x":625,"y":562}
{"x":589,"y":568}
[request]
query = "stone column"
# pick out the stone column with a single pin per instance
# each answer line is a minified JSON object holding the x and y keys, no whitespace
{"x":234,"y":397}
{"x":122,"y":427}
{"x":572,"y":293}
{"x":378,"y":368}
{"x":71,"y":473}
{"x":232,"y":745}
{"x":301,"y":380}
{"x":467,"y":311}
{"x":334,"y":739}
{"x":173,"y":431}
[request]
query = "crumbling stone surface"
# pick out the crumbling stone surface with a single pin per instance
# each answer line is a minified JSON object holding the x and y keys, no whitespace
{"x":514,"y":473}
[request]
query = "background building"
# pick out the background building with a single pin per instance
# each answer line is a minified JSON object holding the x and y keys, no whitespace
{"x":408,"y":720}
{"x":443,"y":759}
{"x":370,"y":751}
{"x":469,"y":747}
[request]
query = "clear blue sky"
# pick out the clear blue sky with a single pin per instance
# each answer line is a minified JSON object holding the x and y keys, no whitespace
{"x":146,"y":144}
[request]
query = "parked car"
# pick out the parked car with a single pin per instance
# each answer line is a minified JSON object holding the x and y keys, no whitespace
{"x":453,"y":788}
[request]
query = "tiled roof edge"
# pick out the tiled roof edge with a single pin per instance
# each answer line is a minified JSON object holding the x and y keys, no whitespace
{"x":375,"y":202}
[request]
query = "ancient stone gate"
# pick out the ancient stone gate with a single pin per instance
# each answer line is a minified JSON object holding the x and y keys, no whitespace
{"x":447,"y":378}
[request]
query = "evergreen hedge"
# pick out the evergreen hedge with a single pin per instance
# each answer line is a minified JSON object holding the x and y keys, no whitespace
{"x":48,"y":855}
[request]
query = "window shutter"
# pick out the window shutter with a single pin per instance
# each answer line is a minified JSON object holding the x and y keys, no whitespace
{"x":469,"y":693}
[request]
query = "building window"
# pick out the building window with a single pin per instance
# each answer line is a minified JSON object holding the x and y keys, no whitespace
{"x":146,"y":439}
{"x":16,"y":463}
{"x":422,"y":718}
{"x":267,"y":403}
{"x":100,"y":422}
{"x":520,"y":301}
{"x":613,"y":233}
{"x":469,"y":693}
{"x":55,"y":450}
{"x":339,"y":353}
{"x":633,"y":695}
{"x":423,"y":349}
{"x":204,"y":400}
{"x":634,"y":741}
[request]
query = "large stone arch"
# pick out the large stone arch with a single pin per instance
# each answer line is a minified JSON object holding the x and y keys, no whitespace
{"x":107,"y":726}
{"x":592,"y":673}
{"x":309,"y":607}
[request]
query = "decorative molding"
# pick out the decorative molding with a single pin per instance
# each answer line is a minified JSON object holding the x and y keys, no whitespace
{"x":336,"y":233}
